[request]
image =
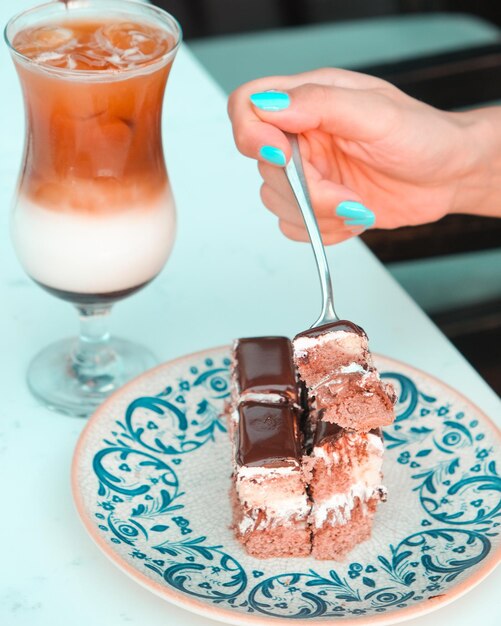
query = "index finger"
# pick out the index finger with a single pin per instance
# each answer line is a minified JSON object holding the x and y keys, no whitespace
{"x":251,"y":132}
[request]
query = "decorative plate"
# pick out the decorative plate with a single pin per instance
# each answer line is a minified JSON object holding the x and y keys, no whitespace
{"x":151,"y":474}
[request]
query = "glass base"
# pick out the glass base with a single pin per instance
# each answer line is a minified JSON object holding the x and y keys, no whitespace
{"x":55,"y":378}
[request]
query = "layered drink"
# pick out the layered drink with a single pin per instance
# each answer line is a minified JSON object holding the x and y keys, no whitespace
{"x":94,"y":218}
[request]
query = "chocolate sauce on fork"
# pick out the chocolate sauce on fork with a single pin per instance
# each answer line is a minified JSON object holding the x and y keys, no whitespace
{"x":92,"y":298}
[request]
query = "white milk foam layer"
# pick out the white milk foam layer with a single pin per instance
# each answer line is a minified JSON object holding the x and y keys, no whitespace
{"x":85,"y":253}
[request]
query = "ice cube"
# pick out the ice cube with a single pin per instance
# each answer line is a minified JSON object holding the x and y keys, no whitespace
{"x":84,"y":60}
{"x":47,"y":57}
{"x":51,"y":37}
{"x":131,"y":42}
{"x":116,"y":36}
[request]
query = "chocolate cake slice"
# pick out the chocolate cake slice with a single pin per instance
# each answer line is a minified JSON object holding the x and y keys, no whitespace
{"x":306,"y":458}
{"x":345,"y":485}
{"x":335,"y":364}
{"x":270,"y":503}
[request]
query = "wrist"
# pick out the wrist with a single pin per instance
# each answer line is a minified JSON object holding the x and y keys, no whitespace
{"x":478,"y":188}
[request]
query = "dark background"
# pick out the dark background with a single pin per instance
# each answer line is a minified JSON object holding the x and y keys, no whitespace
{"x":207,"y":18}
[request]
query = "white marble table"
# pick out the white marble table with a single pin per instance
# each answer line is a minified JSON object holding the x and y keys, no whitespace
{"x":228,"y":257}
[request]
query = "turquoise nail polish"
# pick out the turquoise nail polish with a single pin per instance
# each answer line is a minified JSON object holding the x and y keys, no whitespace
{"x":357,"y":214}
{"x":270,"y":100}
{"x":273,"y":155}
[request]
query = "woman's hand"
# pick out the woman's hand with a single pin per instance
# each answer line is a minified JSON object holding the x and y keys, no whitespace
{"x":373,"y":156}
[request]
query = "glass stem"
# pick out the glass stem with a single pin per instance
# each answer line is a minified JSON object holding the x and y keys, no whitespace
{"x":93,"y":358}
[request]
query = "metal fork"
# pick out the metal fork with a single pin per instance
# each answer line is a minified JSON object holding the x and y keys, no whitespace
{"x":295,"y":175}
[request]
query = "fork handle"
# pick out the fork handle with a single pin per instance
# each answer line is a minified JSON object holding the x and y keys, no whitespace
{"x":297,"y":180}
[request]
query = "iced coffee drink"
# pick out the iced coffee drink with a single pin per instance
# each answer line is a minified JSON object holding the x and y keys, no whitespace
{"x":94,"y":217}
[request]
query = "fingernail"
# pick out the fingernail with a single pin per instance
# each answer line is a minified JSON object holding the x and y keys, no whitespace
{"x":357,"y":214}
{"x":273,"y":155}
{"x":270,"y":100}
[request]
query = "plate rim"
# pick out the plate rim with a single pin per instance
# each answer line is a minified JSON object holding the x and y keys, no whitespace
{"x":235,"y":618}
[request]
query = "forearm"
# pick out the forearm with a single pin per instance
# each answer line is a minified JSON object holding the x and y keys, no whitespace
{"x":479,"y":185}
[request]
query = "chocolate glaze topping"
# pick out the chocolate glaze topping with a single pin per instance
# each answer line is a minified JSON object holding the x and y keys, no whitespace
{"x":268,"y":435}
{"x":264,"y":365}
{"x":345,"y":325}
{"x":328,"y":432}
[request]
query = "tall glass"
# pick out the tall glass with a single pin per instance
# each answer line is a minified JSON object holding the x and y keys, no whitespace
{"x":93,"y":218}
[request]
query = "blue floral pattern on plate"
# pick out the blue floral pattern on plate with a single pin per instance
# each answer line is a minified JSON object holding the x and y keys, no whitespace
{"x":153,"y":474}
